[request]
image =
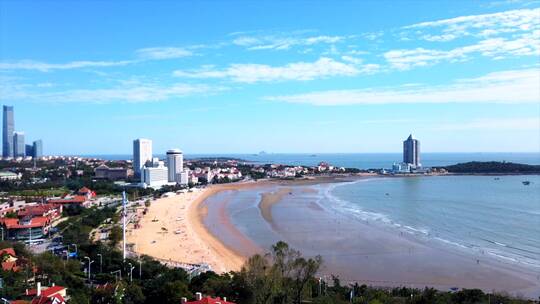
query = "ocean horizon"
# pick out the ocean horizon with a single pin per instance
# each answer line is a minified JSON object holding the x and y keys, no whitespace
{"x":357,"y":160}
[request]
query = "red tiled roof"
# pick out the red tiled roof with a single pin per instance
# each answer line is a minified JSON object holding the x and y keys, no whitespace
{"x":77,"y":199}
{"x":56,"y":299}
{"x":210,"y":300}
{"x":47,"y":291}
{"x":84,"y":190}
{"x":10,"y":266}
{"x":38,"y":221}
{"x":19,"y":302}
{"x":9,"y":251}
{"x":36,"y":210}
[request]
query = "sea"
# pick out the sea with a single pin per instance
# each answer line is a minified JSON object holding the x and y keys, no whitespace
{"x":493,"y":215}
{"x":359,"y":160}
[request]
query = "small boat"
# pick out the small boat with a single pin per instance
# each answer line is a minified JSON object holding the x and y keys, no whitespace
{"x":526,"y":183}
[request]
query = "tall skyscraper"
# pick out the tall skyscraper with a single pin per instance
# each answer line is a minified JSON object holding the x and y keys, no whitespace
{"x":37,"y":149}
{"x":411,"y":151}
{"x":8,"y":128}
{"x":142,"y":152}
{"x":175,"y":164}
{"x":19,"y":148}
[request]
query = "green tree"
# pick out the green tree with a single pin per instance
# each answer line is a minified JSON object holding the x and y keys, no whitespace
{"x":134,"y":295}
{"x":115,"y":235}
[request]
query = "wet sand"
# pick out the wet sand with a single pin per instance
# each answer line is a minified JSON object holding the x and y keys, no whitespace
{"x":269,"y":199}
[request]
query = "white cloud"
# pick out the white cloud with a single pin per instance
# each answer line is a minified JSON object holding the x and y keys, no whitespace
{"x":158,"y":53}
{"x":277,"y":42}
{"x":512,"y":87}
{"x":527,"y":44}
{"x":45,"y":67}
{"x":506,"y":124}
{"x":133,"y":93}
{"x":479,"y":25}
{"x":251,"y":73}
{"x":154,"y":53}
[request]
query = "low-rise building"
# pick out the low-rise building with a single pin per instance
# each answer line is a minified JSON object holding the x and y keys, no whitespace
{"x":105,"y":172}
{"x":155,"y":176}
{"x":8,"y":175}
{"x":82,"y":197}
{"x":52,"y":211}
{"x":9,"y":260}
{"x":28,"y":228}
{"x":48,"y":295}
{"x":199,"y":299}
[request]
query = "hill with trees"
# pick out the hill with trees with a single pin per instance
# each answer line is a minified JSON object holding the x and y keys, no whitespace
{"x":493,"y":168}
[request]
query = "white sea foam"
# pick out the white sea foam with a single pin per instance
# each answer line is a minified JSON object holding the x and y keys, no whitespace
{"x":349,"y":208}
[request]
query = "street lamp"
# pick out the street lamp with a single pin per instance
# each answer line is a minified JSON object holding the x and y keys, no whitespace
{"x":131,"y":272}
{"x":89,"y":269}
{"x":100,"y":262}
{"x":140,"y":269}
{"x":119,"y":271}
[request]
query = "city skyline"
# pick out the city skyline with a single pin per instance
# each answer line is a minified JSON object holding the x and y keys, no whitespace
{"x":464,"y":79}
{"x":14,"y":142}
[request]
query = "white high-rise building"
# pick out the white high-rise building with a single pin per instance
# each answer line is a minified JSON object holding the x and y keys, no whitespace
{"x":142,"y":153}
{"x":175,"y":164}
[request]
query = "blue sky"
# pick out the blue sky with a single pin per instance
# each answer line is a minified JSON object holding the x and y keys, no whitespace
{"x":281,"y":76}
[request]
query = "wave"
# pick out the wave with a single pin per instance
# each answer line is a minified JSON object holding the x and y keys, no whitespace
{"x":349,"y":208}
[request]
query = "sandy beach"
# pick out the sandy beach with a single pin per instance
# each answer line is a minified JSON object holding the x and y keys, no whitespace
{"x":172,"y":230}
{"x":222,"y":225}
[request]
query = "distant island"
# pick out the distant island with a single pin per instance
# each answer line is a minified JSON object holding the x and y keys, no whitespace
{"x":492,"y":167}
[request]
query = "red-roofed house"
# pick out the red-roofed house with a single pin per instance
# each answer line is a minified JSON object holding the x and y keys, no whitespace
{"x":44,"y":210}
{"x":89,"y":194}
{"x":82,"y":198}
{"x":8,"y":258}
{"x":54,"y":299}
{"x":26,"y":228}
{"x":209,"y":300}
{"x":70,"y":200}
{"x":48,"y":295}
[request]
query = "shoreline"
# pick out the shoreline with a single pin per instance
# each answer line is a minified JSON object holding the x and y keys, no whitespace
{"x":384,"y":246}
{"x":223,"y":258}
{"x":194,"y":244}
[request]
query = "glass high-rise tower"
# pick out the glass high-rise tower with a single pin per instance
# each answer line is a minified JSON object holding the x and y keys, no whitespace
{"x":411,"y":151}
{"x":19,"y":148}
{"x":8,"y":128}
{"x":37,"y":148}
